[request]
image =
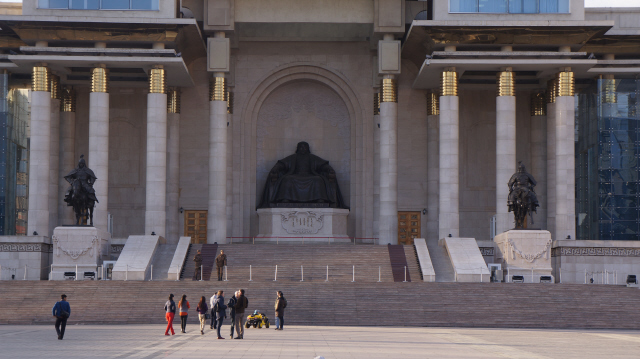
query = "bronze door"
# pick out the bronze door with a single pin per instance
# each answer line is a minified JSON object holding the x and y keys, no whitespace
{"x":408,"y":227}
{"x":195,"y":226}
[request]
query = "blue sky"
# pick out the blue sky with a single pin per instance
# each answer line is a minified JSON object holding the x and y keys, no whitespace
{"x":588,"y":3}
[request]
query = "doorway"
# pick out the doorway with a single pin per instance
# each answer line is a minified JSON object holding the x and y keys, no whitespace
{"x":195,"y":226}
{"x":408,"y":227}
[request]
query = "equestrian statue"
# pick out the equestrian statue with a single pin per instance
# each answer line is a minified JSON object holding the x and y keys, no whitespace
{"x":81,"y":195}
{"x":522,"y":198}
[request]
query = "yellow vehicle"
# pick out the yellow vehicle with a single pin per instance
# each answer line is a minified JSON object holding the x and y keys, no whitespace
{"x":257,"y":320}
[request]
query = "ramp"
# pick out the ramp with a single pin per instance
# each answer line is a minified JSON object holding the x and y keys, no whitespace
{"x":162,"y":261}
{"x":441,"y":262}
{"x":136,"y":257}
{"x":178,"y":258}
{"x":424,"y":259}
{"x":466,"y":259}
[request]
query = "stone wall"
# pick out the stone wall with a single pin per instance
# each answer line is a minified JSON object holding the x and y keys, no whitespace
{"x":18,"y":252}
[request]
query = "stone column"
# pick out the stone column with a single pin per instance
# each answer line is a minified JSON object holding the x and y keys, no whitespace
{"x":433,"y":169}
{"x":376,"y":164}
{"x":551,"y":157}
{"x":388,"y":222}
{"x":155,"y":216}
{"x":54,"y":154}
{"x":99,"y":143}
{"x":217,"y":209}
{"x":449,"y":192}
{"x":539,"y":155}
{"x":173,"y":165}
{"x":67,"y":152}
{"x":565,"y":157}
{"x":505,"y":147}
{"x":40,"y":145}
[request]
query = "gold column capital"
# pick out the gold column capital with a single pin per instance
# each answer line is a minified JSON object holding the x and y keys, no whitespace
{"x":449,"y":83}
{"x":229,"y":102}
{"x":173,"y":100}
{"x":506,"y":83}
{"x":41,"y":79}
{"x":218,"y":89}
{"x":100,"y":79}
{"x":433,"y":103}
{"x":389,"y":90}
{"x":376,"y":102}
{"x":538,"y":104}
{"x":566,"y":83}
{"x":552,"y":87}
{"x":55,"y":87}
{"x":68,"y":100}
{"x":157,"y":80}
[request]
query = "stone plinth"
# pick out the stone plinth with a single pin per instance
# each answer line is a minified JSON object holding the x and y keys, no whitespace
{"x":296,"y":224}
{"x":526,"y":253}
{"x":77,"y":246}
{"x":20,"y":252}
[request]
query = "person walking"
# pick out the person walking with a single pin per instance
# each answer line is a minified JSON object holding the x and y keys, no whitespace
{"x":240,"y":306}
{"x":212,"y":303}
{"x":221,"y":262}
{"x":232,"y":310}
{"x":221,"y":311}
{"x":202,"y":313}
{"x":198,"y":260}
{"x":183,"y":306}
{"x":170,"y":310}
{"x":281,"y":303}
{"x":61,"y":311}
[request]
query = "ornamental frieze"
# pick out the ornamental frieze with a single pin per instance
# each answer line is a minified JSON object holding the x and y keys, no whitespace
{"x":25,"y":247}
{"x":595,"y":251}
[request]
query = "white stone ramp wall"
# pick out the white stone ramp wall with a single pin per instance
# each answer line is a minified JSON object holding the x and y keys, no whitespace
{"x":178,"y":258}
{"x":467,"y":261}
{"x":424,"y":259}
{"x":136,"y":256}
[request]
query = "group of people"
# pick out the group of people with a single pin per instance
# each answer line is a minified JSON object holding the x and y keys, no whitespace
{"x":221,"y":262}
{"x":216,"y":311}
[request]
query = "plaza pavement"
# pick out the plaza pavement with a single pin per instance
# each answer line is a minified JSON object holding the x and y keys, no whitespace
{"x":148,"y":341}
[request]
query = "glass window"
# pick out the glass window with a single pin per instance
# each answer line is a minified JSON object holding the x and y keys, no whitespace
{"x":115,"y":4}
{"x":464,"y":6}
{"x":144,"y":4}
{"x":58,"y":4}
{"x":85,"y":4}
{"x":492,"y":6}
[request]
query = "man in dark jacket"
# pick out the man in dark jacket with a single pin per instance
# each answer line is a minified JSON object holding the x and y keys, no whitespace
{"x":61,"y":311}
{"x":221,"y":262}
{"x":240,"y":306}
{"x":198,"y":260}
{"x":281,"y":303}
{"x":232,"y":310}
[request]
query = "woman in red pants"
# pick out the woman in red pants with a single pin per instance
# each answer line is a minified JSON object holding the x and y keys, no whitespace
{"x":170,"y":309}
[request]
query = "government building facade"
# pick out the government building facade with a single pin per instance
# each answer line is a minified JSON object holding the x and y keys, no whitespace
{"x":422,"y":108}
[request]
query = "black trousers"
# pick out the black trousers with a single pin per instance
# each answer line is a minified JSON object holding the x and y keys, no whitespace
{"x":220,"y":272}
{"x":183,"y":322}
{"x":197,"y":273}
{"x":61,"y":324}
{"x":213,"y":320}
{"x":232,"y":324}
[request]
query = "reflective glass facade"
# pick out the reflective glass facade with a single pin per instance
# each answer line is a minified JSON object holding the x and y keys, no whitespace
{"x":608,"y":152}
{"x":14,"y":117}
{"x":510,"y":6}
{"x":99,"y":4}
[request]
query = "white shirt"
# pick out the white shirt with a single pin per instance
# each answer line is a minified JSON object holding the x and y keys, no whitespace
{"x":213,"y":300}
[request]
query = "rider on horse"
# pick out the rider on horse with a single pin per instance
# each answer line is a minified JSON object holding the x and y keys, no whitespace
{"x":86,"y":177}
{"x":521,"y":190}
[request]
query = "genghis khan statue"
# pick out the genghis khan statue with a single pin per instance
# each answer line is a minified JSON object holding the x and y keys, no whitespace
{"x":302,"y":180}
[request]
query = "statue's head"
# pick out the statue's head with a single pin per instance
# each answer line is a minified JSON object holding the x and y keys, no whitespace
{"x":521,"y":167}
{"x":303,"y":148}
{"x":82,"y":163}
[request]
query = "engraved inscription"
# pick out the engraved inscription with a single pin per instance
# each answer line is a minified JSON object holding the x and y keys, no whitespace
{"x":302,"y":222}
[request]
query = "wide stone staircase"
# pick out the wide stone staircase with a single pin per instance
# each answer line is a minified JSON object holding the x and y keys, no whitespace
{"x":308,"y":263}
{"x":316,"y":302}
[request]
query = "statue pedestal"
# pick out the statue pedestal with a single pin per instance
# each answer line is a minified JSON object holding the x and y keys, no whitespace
{"x":77,"y":246}
{"x":328,"y":225}
{"x":524,"y":252}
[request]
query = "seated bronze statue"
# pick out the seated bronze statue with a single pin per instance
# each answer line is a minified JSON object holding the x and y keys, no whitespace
{"x":302,"y":180}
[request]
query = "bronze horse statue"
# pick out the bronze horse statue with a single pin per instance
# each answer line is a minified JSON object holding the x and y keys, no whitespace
{"x":81,"y":195}
{"x":522,"y":197}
